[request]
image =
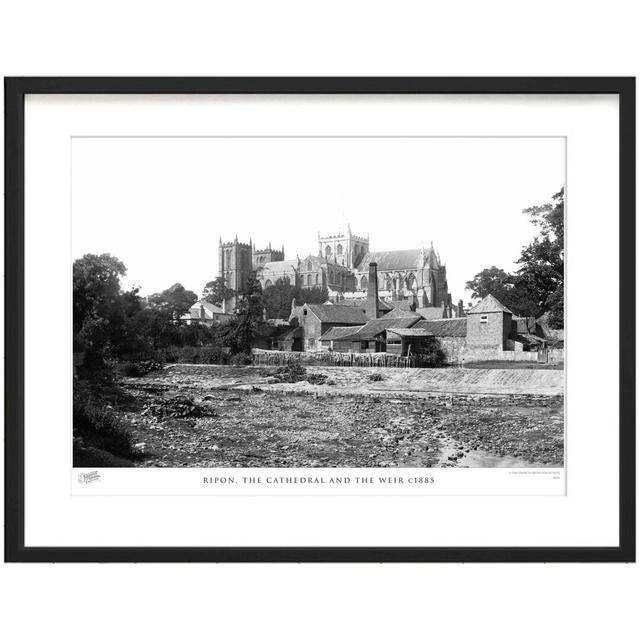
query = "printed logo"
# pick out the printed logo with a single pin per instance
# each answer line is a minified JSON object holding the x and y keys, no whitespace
{"x":90,"y":476}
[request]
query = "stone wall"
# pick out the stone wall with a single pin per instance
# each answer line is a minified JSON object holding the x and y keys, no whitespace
{"x":490,"y":333}
{"x":487,"y":355}
{"x":453,"y":348}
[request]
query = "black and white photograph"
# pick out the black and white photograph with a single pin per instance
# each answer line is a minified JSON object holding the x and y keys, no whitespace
{"x":318,"y":302}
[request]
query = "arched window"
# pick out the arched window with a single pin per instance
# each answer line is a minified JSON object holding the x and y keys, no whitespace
{"x":309,"y":266}
{"x":327,"y":251}
{"x":411,"y":281}
{"x":267,"y":283}
{"x":309,"y":280}
{"x":364,"y":283}
{"x":339,"y":250}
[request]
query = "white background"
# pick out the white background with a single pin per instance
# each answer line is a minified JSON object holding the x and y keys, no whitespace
{"x":331,"y":38}
{"x":586,"y":516}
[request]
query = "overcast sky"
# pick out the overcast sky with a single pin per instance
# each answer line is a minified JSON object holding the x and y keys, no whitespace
{"x":160,"y":204}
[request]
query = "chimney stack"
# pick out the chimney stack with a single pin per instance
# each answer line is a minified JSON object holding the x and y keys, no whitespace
{"x":372,"y":292}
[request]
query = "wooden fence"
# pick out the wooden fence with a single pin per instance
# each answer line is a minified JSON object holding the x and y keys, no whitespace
{"x":336,"y":359}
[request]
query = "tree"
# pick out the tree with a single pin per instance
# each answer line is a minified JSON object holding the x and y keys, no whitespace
{"x":239,"y":333}
{"x":492,"y":281}
{"x":217,"y":291}
{"x":279,"y":296}
{"x":542,"y":262}
{"x":101,"y":311}
{"x":538,"y":284}
{"x":176,"y":300}
{"x":96,"y":286}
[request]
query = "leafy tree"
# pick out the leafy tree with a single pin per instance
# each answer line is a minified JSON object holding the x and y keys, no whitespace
{"x":176,"y":300}
{"x":542,"y":262}
{"x":96,"y":286}
{"x":278,"y":298}
{"x":101,"y":310}
{"x":240,"y":332}
{"x":315,"y":295}
{"x":492,"y":281}
{"x":217,"y":291}
{"x":538,"y":284}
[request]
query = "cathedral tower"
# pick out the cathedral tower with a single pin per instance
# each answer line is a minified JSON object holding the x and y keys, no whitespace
{"x":234,"y":264}
{"x":345,"y":249}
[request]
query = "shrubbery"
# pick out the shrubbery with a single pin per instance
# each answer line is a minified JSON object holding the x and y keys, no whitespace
{"x":96,"y":426}
{"x":139,"y":369}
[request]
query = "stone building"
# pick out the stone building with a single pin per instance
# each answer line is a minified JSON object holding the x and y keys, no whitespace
{"x":407,"y":274}
{"x":345,"y":249}
{"x":415,"y":277}
{"x":489,"y":325}
{"x":260,"y":257}
{"x":203,"y":312}
{"x":235,"y":263}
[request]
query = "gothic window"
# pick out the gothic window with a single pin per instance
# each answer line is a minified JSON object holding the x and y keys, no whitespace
{"x":327,"y":251}
{"x":411,"y":281}
{"x":267,"y":283}
{"x":317,"y":280}
{"x":309,"y":280}
{"x":309,"y":265}
{"x":339,"y":250}
{"x":364,"y":283}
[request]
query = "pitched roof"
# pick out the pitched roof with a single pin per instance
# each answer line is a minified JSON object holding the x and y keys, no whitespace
{"x":336,"y":333}
{"x":375,"y":327}
{"x":361,"y":302}
{"x":296,"y":332}
{"x":413,"y":331}
{"x":338,"y":314}
{"x":449,"y":328}
{"x":431,"y":313}
{"x":401,"y":259}
{"x":401,"y":304}
{"x":391,"y":260}
{"x":489,"y":304}
{"x":402,"y":313}
{"x":194,"y":312}
{"x":278,"y":267}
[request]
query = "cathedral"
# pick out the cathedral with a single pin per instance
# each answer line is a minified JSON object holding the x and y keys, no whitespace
{"x":342,"y":267}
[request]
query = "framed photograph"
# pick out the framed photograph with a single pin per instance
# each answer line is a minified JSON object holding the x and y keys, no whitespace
{"x":320,"y":319}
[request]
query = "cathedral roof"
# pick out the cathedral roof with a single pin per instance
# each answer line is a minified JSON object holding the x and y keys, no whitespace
{"x":391,"y":260}
{"x":277,"y":267}
{"x":489,"y":304}
{"x":400,"y":260}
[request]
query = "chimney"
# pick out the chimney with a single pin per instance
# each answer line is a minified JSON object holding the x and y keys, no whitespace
{"x":372,"y":292}
{"x":460,"y":308}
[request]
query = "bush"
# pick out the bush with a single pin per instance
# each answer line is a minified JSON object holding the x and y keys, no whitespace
{"x":239,"y":359}
{"x":95,"y":425}
{"x":292,"y":372}
{"x":211,"y":355}
{"x":139,"y":369}
{"x":376,"y":377}
{"x":316,"y":378}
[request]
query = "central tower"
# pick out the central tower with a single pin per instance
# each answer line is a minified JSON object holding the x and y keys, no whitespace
{"x":345,"y":249}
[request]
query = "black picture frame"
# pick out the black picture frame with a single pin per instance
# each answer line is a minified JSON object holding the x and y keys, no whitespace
{"x":15,"y":91}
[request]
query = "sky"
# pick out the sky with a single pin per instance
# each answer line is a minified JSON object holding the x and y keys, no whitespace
{"x":161,"y":204}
